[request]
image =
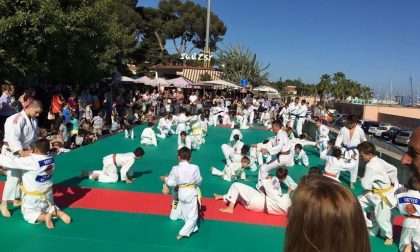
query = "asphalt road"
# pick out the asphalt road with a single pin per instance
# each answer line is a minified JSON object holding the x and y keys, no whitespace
{"x":388,"y":145}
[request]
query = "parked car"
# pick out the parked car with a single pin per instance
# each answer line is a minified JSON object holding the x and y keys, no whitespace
{"x":380,"y":130}
{"x":391,"y":134}
{"x":367,"y":124}
{"x":403,"y":137}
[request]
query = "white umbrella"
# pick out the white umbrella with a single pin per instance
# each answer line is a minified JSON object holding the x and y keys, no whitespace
{"x":179,"y":82}
{"x":217,"y":83}
{"x":143,"y":80}
{"x":158,"y":82}
{"x":266,"y":89}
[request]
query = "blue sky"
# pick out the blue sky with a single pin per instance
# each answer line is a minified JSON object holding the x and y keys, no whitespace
{"x":368,"y":40}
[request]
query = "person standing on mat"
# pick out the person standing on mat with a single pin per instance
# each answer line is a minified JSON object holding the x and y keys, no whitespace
{"x":185,"y":178}
{"x":21,"y":130}
{"x":109,"y":173}
{"x":281,"y":147}
{"x":37,"y":186}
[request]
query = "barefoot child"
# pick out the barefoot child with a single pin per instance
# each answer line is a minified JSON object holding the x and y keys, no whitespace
{"x":232,"y":171}
{"x":37,"y":194}
{"x":269,"y":199}
{"x":148,"y":136}
{"x":378,"y":182}
{"x":109,"y":173}
{"x":186,"y":177}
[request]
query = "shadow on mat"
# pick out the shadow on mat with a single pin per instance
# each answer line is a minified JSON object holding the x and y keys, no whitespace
{"x":68,"y":191}
{"x":140,"y":174}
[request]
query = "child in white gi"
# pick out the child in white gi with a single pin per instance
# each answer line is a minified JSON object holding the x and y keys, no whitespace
{"x":232,"y":171}
{"x":408,"y":199}
{"x":232,"y":153}
{"x":300,"y":156}
{"x":164,"y":126}
{"x":109,"y":173}
{"x":268,"y":199}
{"x":235,"y":131}
{"x":378,"y":183}
{"x":148,"y":136}
{"x":37,"y":194}
{"x":334,"y":164}
{"x":323,"y":135}
{"x":186,"y":178}
{"x":184,"y":140}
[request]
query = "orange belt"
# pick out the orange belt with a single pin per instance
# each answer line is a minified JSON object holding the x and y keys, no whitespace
{"x":330,"y":174}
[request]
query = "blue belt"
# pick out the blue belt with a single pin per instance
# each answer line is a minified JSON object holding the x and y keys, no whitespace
{"x":352,"y":149}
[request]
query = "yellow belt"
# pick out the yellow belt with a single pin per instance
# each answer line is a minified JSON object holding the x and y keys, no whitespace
{"x":36,"y":193}
{"x":193,"y":186}
{"x":381,"y":192}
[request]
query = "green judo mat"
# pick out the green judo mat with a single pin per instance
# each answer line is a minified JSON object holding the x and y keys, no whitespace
{"x":110,"y":231}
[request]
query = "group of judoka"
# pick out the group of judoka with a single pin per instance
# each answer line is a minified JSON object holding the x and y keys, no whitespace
{"x":272,"y":160}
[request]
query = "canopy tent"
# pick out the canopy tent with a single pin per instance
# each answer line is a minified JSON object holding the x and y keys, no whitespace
{"x":180,"y":82}
{"x":157,"y":82}
{"x":143,"y":80}
{"x":266,"y":89}
{"x":216,"y":84}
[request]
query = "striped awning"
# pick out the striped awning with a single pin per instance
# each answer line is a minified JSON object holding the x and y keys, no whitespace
{"x":195,"y":74}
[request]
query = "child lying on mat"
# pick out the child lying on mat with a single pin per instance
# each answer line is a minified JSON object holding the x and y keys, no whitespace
{"x":232,"y":171}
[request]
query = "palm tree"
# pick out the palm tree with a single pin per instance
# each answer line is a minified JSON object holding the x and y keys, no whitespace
{"x":324,"y":86}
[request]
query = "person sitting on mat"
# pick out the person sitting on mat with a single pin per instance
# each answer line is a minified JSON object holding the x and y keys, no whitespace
{"x":268,"y":199}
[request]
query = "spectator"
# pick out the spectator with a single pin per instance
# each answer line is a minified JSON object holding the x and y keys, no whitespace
{"x":325,"y":216}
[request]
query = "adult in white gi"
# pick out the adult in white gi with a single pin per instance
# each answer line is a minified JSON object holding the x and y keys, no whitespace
{"x":335,"y":164}
{"x":232,"y":171}
{"x":301,"y":117}
{"x":268,"y":199}
{"x":148,"y":136}
{"x":251,"y":112}
{"x":294,"y":107}
{"x":37,"y":194}
{"x":323,"y":135}
{"x":348,"y":139}
{"x":280,"y":146}
{"x":186,"y":177}
{"x":378,"y":182}
{"x":109,"y":173}
{"x":232,"y":153}
{"x":20,"y":131}
{"x":164,"y":126}
{"x":184,"y":140}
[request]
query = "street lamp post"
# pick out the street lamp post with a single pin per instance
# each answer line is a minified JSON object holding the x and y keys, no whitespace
{"x":207,"y":49}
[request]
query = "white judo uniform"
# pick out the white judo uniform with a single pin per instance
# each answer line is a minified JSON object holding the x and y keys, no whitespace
{"x":293,"y":108}
{"x":214,"y":115}
{"x":348,"y":147}
{"x":231,"y":172}
{"x":284,"y":113}
{"x":164,"y":127}
{"x":181,"y":121}
{"x":232,"y":153}
{"x":301,"y":158}
{"x":409,"y":206}
{"x":37,"y":191}
{"x":300,"y":118}
{"x":186,"y":143}
{"x":280,"y":146}
{"x":323,"y":137}
{"x":379,"y":195}
{"x":269,"y":199}
{"x":109,"y":172}
{"x":235,"y":132}
{"x":334,"y":166}
{"x":20,"y":132}
{"x":187,"y":177}
{"x":148,"y":137}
